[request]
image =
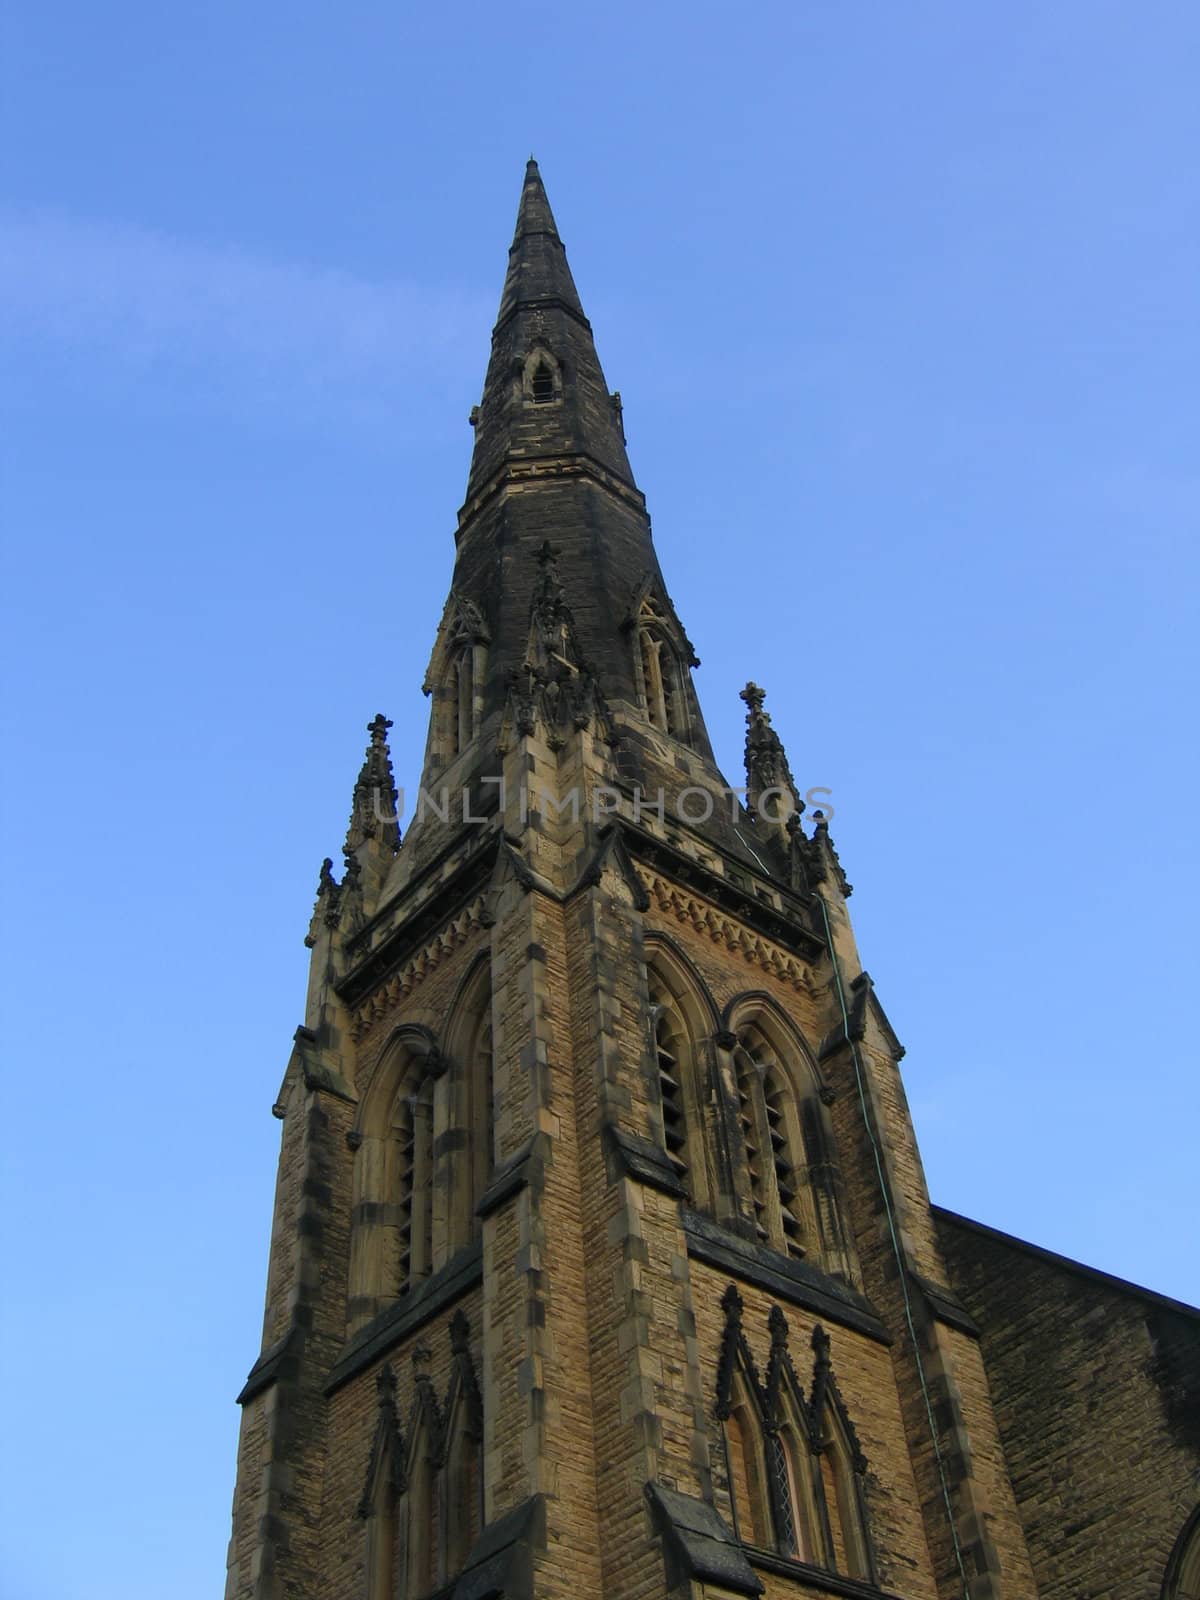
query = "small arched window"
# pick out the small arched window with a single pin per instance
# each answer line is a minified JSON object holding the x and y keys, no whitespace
{"x":463,"y":1497}
{"x":747,"y":1485}
{"x":849,"y":1550}
{"x":420,"y":1517}
{"x":381,"y":1540}
{"x":660,"y":673}
{"x":541,"y":384}
{"x":796,"y":1517}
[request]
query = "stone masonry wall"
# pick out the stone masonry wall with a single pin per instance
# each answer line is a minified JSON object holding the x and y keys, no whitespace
{"x":1096,"y":1387}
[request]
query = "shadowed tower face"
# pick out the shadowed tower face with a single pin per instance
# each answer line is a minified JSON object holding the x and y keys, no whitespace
{"x":602,"y":1261}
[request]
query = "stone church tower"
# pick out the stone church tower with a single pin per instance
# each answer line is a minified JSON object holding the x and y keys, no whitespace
{"x":602,"y":1262}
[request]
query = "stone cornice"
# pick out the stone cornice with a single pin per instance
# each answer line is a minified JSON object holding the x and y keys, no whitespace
{"x":421,"y":941}
{"x":699,"y":895}
{"x":518,"y":471}
{"x":427,"y":1300}
{"x":781,"y":1276}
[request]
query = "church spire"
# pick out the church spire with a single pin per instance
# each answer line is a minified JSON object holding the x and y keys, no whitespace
{"x":537,"y":263}
{"x":545,"y":393}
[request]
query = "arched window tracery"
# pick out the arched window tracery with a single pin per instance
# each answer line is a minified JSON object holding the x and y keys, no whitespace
{"x":769,"y":1118}
{"x":392,"y":1235}
{"x":424,"y":1153}
{"x":792,"y":1190}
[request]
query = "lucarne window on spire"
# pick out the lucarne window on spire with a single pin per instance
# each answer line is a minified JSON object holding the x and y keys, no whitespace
{"x":541,"y":385}
{"x":661,"y":674}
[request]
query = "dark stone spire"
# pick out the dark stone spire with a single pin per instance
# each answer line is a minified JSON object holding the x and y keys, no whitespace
{"x":549,"y":468}
{"x":545,"y":393}
{"x":538,"y":273}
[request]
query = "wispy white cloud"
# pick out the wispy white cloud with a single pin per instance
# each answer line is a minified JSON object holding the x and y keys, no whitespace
{"x":175,"y":314}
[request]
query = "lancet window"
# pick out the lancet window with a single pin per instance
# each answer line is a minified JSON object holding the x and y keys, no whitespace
{"x":679,"y":1025}
{"x":794,"y":1473}
{"x":423,"y":1500}
{"x":424,"y":1153}
{"x":469,"y":1110}
{"x":769,"y":1119}
{"x":541,"y":378}
{"x":660,"y":672}
{"x":790,"y":1174}
{"x":456,"y":679}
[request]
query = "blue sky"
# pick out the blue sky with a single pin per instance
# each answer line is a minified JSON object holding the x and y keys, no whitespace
{"x":901,"y":302}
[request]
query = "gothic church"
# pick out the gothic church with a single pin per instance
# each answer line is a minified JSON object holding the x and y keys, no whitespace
{"x":603,"y":1265}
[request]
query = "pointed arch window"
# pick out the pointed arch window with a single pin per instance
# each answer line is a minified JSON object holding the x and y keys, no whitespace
{"x":794,"y":1469}
{"x":660,"y":672}
{"x":412,"y":1134}
{"x":462,"y":1478}
{"x":392,"y":1239}
{"x":420,"y":1504}
{"x":456,"y":679}
{"x":769,"y":1119}
{"x":795,"y":1494}
{"x":466,"y":1163}
{"x":380,"y":1502}
{"x":540,"y":378}
{"x":541,"y":385}
{"x":791,"y":1184}
{"x":747,"y":1470}
{"x":676,"y":1025}
{"x":845,"y":1510}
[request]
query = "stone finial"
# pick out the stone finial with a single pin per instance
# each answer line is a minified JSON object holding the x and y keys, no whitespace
{"x":327,"y":909}
{"x":754,"y":698}
{"x":618,"y":413}
{"x":373,"y":835}
{"x":820,"y":1344}
{"x":778,"y":1325}
{"x":826,"y":861}
{"x":731,"y":1304}
{"x":460,"y":1332}
{"x":385,"y":1385}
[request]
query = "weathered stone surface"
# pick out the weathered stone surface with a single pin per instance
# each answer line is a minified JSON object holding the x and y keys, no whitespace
{"x":603,"y":1264}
